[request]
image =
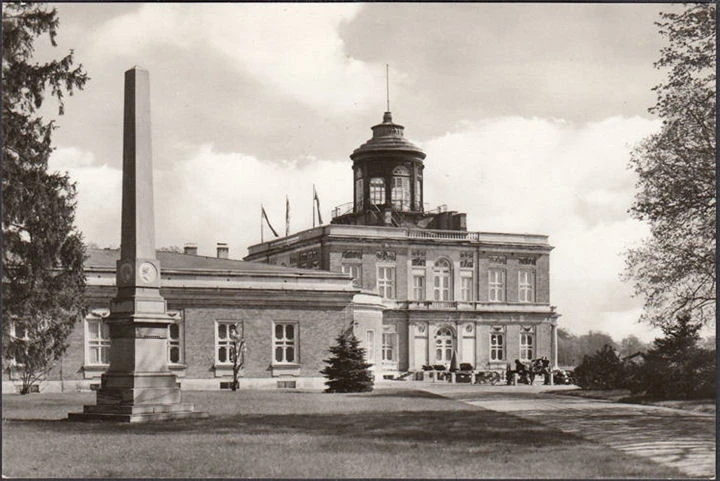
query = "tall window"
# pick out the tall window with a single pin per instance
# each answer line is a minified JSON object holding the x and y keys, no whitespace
{"x":496,"y":285}
{"x":225,"y":331}
{"x":418,"y":285}
{"x":441,"y":279}
{"x":418,"y":193}
{"x":527,"y":344}
{"x":174,"y":344}
{"x":444,"y":345}
{"x":18,"y":333}
{"x":386,"y":281}
{"x":355,"y":270}
{"x":370,"y":345}
{"x":358,"y":195}
{"x":98,"y":342}
{"x":526,"y":286}
{"x":284,"y":343}
{"x":466,"y":290}
{"x":497,"y":344}
{"x":389,"y":346}
{"x":377,"y":190}
{"x":400,"y":192}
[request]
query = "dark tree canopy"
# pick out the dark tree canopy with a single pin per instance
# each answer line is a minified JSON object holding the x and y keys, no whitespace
{"x":347,"y":370}
{"x":677,"y":367}
{"x":43,"y":279}
{"x":674,"y":270}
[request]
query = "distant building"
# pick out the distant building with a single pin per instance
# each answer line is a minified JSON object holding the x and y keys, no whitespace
{"x":483,"y":296}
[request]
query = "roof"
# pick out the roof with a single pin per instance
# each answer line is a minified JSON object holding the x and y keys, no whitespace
{"x":107,"y":258}
{"x":388,"y":136}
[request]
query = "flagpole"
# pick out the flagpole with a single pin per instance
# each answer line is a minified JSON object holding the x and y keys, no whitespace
{"x":262,"y":239}
{"x":287,"y":216}
{"x":313,"y":205}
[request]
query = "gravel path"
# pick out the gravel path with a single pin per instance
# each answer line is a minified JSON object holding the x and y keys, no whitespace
{"x":681,"y":439}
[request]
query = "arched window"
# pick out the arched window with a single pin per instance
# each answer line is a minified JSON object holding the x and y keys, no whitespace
{"x":400,"y":193}
{"x":377,"y":190}
{"x":444,"y":345}
{"x":442,"y":288}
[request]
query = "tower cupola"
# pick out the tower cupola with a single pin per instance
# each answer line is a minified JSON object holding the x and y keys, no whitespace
{"x":388,"y":172}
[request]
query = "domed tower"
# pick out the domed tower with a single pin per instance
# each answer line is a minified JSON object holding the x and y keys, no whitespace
{"x":388,"y":174}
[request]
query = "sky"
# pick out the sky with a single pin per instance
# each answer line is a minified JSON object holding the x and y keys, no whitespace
{"x":527,"y":112}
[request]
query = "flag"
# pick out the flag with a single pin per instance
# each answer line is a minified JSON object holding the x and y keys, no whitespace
{"x":316,"y":201}
{"x":287,"y":216}
{"x":264,"y":216}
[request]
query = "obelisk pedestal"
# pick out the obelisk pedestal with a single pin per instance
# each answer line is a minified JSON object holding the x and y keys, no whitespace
{"x":138,"y":386}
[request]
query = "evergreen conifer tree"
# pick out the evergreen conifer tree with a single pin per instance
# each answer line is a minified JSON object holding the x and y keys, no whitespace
{"x":347,"y":370}
{"x":43,"y":282}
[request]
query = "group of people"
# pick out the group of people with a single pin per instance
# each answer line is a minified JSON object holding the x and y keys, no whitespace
{"x":526,"y":373}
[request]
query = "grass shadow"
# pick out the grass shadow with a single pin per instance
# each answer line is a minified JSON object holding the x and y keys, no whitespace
{"x":476,"y":427}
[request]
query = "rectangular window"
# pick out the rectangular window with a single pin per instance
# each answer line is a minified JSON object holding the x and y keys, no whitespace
{"x":226,"y":334}
{"x":285,"y":343}
{"x":496,"y":285}
{"x":355,"y":270}
{"x":17,"y":333}
{"x":418,"y":193}
{"x":418,"y":286}
{"x":358,"y":195}
{"x":386,"y":282}
{"x":400,"y":193}
{"x":497,"y":345}
{"x":527,"y":345}
{"x":370,"y":345}
{"x":389,"y":346}
{"x":526,"y":286}
{"x":466,"y":290}
{"x":97,"y":342}
{"x":174,"y":344}
{"x":377,"y":190}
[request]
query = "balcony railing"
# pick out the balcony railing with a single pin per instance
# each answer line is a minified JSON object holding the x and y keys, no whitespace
{"x":470,"y":306}
{"x":348,"y":207}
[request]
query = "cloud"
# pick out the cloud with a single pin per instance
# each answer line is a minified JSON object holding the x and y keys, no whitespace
{"x":548,"y":176}
{"x":293,"y":50}
{"x":99,"y":197}
{"x":216,"y":197}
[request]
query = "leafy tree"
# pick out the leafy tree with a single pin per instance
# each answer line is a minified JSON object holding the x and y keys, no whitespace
{"x":631,"y":345}
{"x":602,"y":370}
{"x":676,"y":367}
{"x":674,"y":270}
{"x":239,"y":349}
{"x":347,"y":370}
{"x":572,"y":349}
{"x":43,"y":279}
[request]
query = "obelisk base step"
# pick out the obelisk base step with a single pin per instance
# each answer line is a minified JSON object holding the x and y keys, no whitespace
{"x":136,"y":414}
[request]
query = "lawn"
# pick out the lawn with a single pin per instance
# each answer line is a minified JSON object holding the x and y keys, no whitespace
{"x":388,"y":433}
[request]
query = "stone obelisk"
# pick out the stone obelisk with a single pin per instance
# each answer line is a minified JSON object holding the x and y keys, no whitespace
{"x":138,"y":386}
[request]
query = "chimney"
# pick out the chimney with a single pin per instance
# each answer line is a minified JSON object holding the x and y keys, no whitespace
{"x":223,"y":252}
{"x":190,"y":249}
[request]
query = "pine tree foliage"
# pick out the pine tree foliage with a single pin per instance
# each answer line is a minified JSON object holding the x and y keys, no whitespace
{"x":602,"y":370}
{"x":43,"y":281}
{"x":677,"y":367}
{"x":347,"y":370}
{"x":674,"y":270}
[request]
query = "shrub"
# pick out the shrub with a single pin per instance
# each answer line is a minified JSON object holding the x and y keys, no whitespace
{"x":602,"y":370}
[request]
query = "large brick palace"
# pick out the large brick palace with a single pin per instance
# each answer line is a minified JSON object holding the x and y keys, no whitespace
{"x":415,"y":286}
